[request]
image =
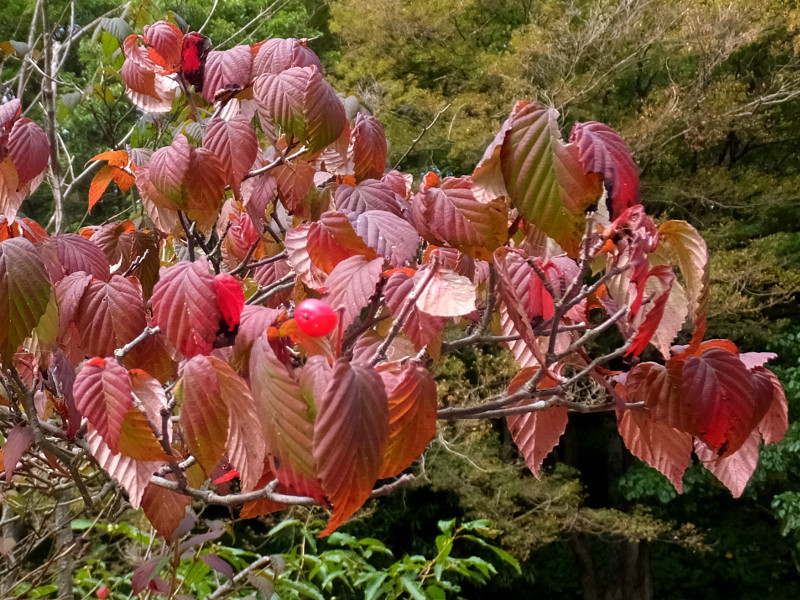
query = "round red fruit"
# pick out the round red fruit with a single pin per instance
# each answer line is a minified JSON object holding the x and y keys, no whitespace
{"x":102,"y":592}
{"x":315,"y":317}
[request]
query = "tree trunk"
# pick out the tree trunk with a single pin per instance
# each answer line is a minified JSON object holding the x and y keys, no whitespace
{"x":623,"y":574}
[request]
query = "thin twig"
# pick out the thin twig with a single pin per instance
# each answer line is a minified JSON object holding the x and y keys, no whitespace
{"x":421,"y":135}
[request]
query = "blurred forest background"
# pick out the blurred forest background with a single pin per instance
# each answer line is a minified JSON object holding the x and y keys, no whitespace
{"x":707,"y":95}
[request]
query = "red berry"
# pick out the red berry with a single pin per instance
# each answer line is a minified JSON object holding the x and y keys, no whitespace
{"x":315,"y":317}
{"x":102,"y":592}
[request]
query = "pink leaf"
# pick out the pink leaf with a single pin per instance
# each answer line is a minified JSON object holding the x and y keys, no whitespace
{"x":185,"y":307}
{"x":775,"y":422}
{"x":132,"y":475}
{"x":103,"y":395}
{"x":537,"y":433}
{"x":276,"y":55}
{"x":161,"y":180}
{"x":666,"y":449}
{"x":389,"y":235}
{"x":236,"y":145}
{"x":165,"y":41}
{"x":447,"y":295}
{"x":733,"y":470}
{"x":603,"y":151}
{"x":370,"y":194}
{"x":421,"y":328}
{"x":164,"y":509}
{"x":227,"y":69}
{"x":18,"y":440}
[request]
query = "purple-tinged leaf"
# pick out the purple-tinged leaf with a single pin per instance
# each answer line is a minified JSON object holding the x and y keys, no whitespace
{"x":351,"y":284}
{"x":420,"y":327}
{"x":370,"y":194}
{"x":227,"y":69}
{"x":602,"y":150}
{"x":775,"y":422}
{"x":369,"y":147}
{"x":218,"y":564}
{"x":18,"y":440}
{"x":389,"y":235}
{"x":28,"y":148}
{"x":276,"y":55}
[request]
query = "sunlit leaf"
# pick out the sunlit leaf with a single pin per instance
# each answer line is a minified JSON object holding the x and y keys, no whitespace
{"x":351,"y":431}
{"x":351,"y":284}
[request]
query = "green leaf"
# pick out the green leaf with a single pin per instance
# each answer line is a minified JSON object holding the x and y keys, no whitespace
{"x":282,"y":525}
{"x":117,"y":27}
{"x":374,"y":588}
{"x":413,"y":587}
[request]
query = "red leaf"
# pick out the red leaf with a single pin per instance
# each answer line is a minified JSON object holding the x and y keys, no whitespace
{"x":29,"y":149}
{"x":412,"y":417}
{"x":193,"y":58}
{"x":420,"y":327}
{"x":332,"y":239}
{"x":537,"y":433}
{"x":369,"y":147}
{"x":99,"y":184}
{"x":76,"y":253}
{"x":102,"y":393}
{"x":651,"y":319}
{"x":230,"y":299}
{"x":733,"y":470}
{"x":294,"y":182}
{"x":775,"y":422}
{"x":389,"y":235}
{"x":287,"y":418}
{"x":110,"y":315}
{"x":664,"y":448}
{"x":18,"y":440}
{"x":138,"y":72}
{"x":722,"y":401}
{"x":218,"y":564}
{"x":661,"y":390}
{"x":165,"y":41}
{"x":25,"y":294}
{"x":164,"y":509}
{"x":132,"y":475}
{"x":257,"y":194}
{"x":276,"y":55}
{"x":544,"y":177}
{"x":123,"y":245}
{"x":603,"y":151}
{"x":350,"y":436}
{"x":228,"y":69}
{"x":205,"y":185}
{"x":272,"y":273}
{"x":235,"y":144}
{"x":351,"y":284}
{"x":185,"y":307}
{"x":451,"y":214}
{"x":296,"y":244}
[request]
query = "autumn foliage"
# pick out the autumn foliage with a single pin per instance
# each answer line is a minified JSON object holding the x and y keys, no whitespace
{"x":169,"y":352}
